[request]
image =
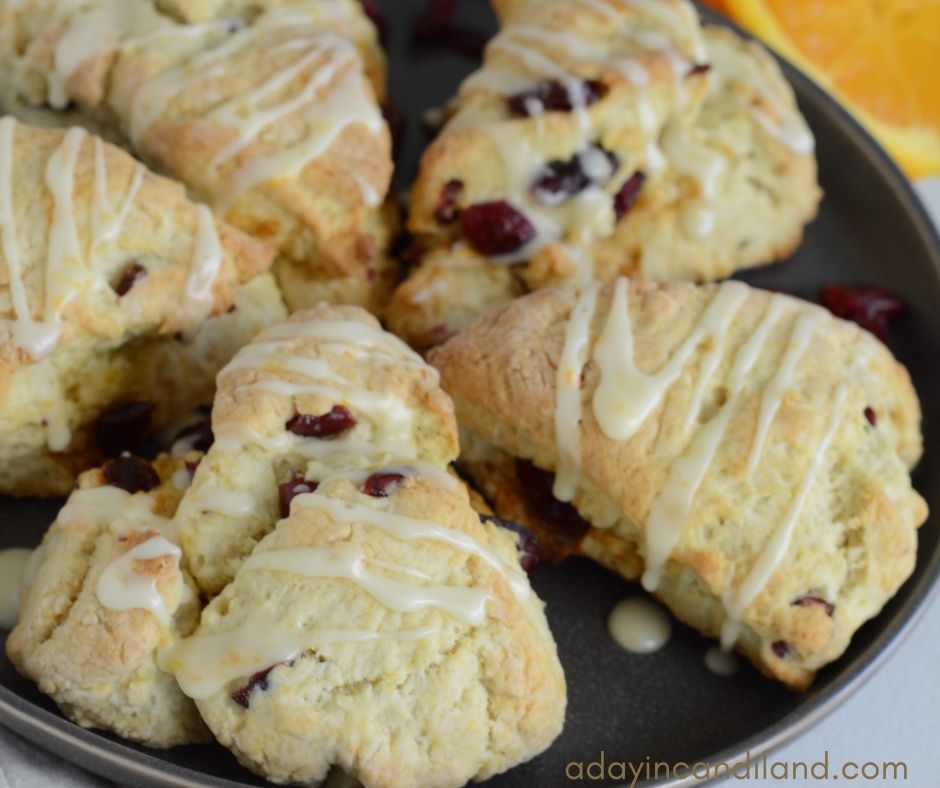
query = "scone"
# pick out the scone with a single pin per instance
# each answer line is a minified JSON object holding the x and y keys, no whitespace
{"x":116,"y":291}
{"x":743,"y":453}
{"x":328,"y":389}
{"x":604,"y":139}
{"x":268,"y":112}
{"x":106,"y":592}
{"x":380,"y":627}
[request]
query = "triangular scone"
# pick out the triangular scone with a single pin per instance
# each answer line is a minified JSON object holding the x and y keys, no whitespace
{"x":105,"y":593}
{"x":649,"y":180}
{"x":268,"y":113}
{"x":746,"y":452}
{"x":109,"y":281}
{"x":383,"y":629}
{"x":330,"y":372}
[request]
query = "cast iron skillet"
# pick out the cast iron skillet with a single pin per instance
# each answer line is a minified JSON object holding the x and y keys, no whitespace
{"x":871,"y":229}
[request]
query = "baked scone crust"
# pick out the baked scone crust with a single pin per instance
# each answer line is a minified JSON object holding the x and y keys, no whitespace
{"x":396,"y":400}
{"x":853,"y":540}
{"x":100,"y":665}
{"x":151,"y":296}
{"x":269,"y":113}
{"x":702,"y":124}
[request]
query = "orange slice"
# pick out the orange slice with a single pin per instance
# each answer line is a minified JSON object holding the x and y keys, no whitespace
{"x":880,"y":58}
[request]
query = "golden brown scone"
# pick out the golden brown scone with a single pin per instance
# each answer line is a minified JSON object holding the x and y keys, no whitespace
{"x":383,"y":629}
{"x":746,"y":452}
{"x":106,"y":594}
{"x":268,"y":112}
{"x":113,"y":287}
{"x":330,"y":371}
{"x":683,"y":132}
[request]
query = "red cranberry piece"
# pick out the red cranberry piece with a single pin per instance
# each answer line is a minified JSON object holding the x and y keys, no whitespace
{"x":563,"y":179}
{"x":530,"y":555}
{"x":128,"y":278}
{"x":379,"y":484}
{"x":436,"y":27}
{"x":552,"y":96}
{"x":699,"y":68}
{"x":197,"y":435}
{"x":371,"y":10}
{"x":780,"y":648}
{"x":130,"y":473}
{"x":327,"y":425}
{"x":627,"y":196}
{"x":809,"y":601}
{"x":446,"y":211}
{"x":495,"y":228}
{"x":124,"y":427}
{"x":871,"y":307}
{"x":871,"y":415}
{"x":287,"y":491}
{"x":559,"y":516}
{"x":258,"y":681}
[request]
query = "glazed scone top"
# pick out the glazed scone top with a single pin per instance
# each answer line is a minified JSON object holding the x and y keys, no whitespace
{"x":328,"y":390}
{"x":95,"y":247}
{"x":676,"y":409}
{"x":105,"y":592}
{"x":268,"y":114}
{"x":609,"y":88}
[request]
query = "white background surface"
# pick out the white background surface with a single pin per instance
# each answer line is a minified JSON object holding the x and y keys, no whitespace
{"x":894,"y":717}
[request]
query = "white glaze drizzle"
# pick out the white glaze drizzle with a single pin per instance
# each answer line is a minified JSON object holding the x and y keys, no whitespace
{"x":625,"y":395}
{"x":568,"y":393}
{"x":782,"y":122}
{"x":13,"y":571}
{"x":466,"y":604}
{"x":803,"y":328}
{"x":639,"y":625}
{"x":106,"y":223}
{"x":204,"y":663}
{"x":412,"y":529}
{"x":737,"y":600}
{"x":121,"y":587}
{"x":206,"y":265}
{"x":721,"y":663}
{"x":230,"y":503}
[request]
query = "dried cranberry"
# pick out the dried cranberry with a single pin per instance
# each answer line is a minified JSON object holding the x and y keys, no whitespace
{"x":627,"y":196}
{"x":446,"y":211}
{"x":287,"y":491}
{"x":198,"y":435}
{"x":871,"y":307}
{"x":128,"y":278}
{"x":563,"y":179}
{"x":780,"y":648}
{"x":371,"y":10}
{"x":809,"y":601}
{"x":699,"y":68}
{"x":558,"y":516}
{"x":379,"y":484}
{"x":436,"y":27}
{"x":551,"y":95}
{"x":124,"y":427}
{"x":130,"y":473}
{"x":327,"y":425}
{"x":257,"y":680}
{"x":871,"y":415}
{"x":495,"y":228}
{"x":530,"y":555}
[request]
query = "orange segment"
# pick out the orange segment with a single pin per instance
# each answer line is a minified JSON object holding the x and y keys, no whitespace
{"x":881,"y":58}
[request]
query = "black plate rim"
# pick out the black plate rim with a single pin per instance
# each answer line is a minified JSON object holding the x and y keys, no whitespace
{"x":103,"y":756}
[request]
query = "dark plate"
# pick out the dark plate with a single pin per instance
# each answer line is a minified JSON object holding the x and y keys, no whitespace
{"x":667,"y":707}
